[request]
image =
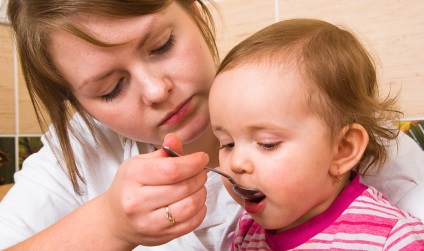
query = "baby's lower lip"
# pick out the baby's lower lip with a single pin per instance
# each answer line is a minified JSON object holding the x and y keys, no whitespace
{"x":253,"y":207}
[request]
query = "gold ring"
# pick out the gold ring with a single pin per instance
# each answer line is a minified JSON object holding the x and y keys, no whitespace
{"x":169,"y":216}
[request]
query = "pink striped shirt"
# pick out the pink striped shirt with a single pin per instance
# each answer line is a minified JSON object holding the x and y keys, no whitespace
{"x":361,"y":218}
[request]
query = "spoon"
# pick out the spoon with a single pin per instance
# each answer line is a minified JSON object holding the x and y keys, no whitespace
{"x":245,"y":193}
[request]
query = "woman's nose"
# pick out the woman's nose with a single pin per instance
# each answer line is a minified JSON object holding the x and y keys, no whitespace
{"x":155,"y":87}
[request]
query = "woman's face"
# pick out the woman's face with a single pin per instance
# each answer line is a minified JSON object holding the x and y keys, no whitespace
{"x":155,"y":83}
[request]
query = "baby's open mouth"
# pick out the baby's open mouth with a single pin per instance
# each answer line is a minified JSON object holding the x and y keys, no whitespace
{"x":257,"y":197}
{"x":256,"y":204}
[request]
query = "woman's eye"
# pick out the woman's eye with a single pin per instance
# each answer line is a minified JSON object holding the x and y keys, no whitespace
{"x":269,"y":146}
{"x":165,"y":47}
{"x":115,"y":92}
{"x":227,"y":146}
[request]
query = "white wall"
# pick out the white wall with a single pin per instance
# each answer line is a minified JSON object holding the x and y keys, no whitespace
{"x":3,"y":4}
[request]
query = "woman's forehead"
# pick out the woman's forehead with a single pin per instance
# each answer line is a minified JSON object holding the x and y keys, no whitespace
{"x":116,"y":30}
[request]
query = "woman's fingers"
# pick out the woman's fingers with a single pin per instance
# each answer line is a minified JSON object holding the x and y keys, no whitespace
{"x":162,"y":231}
{"x":171,"y":140}
{"x":189,"y":211}
{"x":157,"y":196}
{"x":164,"y":171}
{"x":184,"y":209}
{"x":143,"y":206}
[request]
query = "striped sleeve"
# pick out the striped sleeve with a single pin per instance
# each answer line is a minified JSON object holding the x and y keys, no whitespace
{"x":407,"y":234}
{"x":371,"y":223}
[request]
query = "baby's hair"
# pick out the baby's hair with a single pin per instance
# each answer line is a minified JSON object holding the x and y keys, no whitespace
{"x":340,"y":75}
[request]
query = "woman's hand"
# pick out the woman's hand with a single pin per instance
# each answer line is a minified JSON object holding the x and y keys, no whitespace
{"x":132,"y":212}
{"x":146,"y":184}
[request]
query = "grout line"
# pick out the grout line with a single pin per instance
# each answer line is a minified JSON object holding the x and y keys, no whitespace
{"x":15,"y":83}
{"x":411,"y":118}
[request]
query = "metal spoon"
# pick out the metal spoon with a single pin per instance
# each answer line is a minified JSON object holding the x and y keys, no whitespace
{"x":245,"y":193}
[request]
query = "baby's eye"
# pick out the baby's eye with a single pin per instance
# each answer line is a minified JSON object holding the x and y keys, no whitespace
{"x":115,"y":92}
{"x":227,"y":146}
{"x":165,"y":47}
{"x":269,"y":146}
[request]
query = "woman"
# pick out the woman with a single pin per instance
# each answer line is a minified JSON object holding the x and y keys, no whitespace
{"x":134,"y":72}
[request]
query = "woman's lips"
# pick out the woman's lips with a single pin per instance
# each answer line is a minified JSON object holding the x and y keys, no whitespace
{"x":177,"y":115}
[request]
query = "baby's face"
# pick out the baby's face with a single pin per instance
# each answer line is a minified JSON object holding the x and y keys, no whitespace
{"x":271,"y":140}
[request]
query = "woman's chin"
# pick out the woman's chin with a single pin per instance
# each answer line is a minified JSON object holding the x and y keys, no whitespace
{"x":193,"y":132}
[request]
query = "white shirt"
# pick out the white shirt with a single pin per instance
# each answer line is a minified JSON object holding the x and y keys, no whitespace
{"x":401,"y":180}
{"x":43,"y":194}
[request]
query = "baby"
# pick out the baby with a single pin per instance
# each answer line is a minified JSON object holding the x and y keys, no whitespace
{"x":296,"y":110}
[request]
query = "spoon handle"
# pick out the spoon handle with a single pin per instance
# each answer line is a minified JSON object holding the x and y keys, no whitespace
{"x":170,"y":152}
{"x":173,"y":153}
{"x":223,"y":174}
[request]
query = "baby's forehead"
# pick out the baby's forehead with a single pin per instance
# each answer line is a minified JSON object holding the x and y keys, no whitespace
{"x":283,"y":56}
{"x":283,"y":78}
{"x":289,"y":77}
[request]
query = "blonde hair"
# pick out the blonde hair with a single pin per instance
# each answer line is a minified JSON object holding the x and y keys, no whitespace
{"x":340,"y":73}
{"x":33,"y":23}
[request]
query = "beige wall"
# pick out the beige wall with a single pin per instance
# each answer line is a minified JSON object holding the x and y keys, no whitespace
{"x":16,"y":113}
{"x":7,"y":93}
{"x":391,"y":29}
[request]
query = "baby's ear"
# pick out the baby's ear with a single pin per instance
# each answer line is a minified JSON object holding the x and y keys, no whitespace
{"x":350,"y":146}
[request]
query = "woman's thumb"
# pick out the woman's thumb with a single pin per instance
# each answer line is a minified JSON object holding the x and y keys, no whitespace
{"x":172,"y":141}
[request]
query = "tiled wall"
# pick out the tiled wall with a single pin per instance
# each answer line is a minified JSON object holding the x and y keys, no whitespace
{"x":391,"y":29}
{"x":19,"y":131}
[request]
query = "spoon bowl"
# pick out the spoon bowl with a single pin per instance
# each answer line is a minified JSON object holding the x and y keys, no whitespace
{"x":245,"y":193}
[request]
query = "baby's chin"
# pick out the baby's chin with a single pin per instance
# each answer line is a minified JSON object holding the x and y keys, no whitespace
{"x":271,"y":225}
{"x":274,"y":223}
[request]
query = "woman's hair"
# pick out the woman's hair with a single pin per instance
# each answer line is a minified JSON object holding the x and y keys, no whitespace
{"x":33,"y":23}
{"x":340,"y":75}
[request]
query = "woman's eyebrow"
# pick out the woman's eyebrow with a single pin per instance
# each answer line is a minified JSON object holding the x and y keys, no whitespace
{"x":100,"y":76}
{"x":145,"y":38}
{"x":148,"y":32}
{"x":95,"y":78}
{"x":140,"y":44}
